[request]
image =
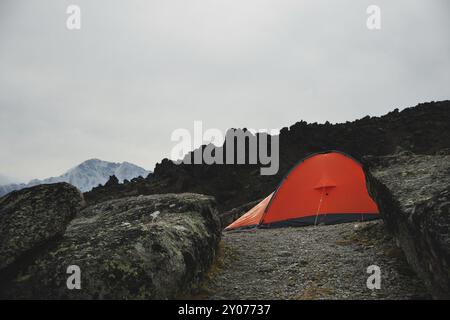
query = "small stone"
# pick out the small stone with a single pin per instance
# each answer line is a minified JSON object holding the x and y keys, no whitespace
{"x":284,"y":254}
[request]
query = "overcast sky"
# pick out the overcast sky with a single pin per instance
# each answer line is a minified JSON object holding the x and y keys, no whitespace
{"x":137,"y":70}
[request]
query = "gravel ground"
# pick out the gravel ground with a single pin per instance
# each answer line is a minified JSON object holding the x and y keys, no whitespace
{"x":317,"y":262}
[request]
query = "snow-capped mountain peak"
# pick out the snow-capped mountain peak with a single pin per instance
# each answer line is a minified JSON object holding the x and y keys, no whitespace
{"x":87,"y":175}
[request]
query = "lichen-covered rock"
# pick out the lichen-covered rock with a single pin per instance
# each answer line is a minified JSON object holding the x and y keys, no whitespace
{"x":414,"y":199}
{"x":145,"y":247}
{"x":32,"y":217}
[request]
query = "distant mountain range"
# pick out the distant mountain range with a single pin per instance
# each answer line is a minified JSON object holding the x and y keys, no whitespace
{"x":86,"y":175}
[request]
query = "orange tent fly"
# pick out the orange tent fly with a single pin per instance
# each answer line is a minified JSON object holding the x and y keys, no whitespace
{"x":324,"y":188}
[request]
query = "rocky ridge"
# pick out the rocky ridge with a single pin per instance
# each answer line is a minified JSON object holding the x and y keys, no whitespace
{"x":423,"y":129}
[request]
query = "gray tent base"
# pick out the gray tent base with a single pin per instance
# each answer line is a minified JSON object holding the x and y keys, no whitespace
{"x":322,"y":219}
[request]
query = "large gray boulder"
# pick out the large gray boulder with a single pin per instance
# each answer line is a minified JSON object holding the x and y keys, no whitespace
{"x":414,"y":199}
{"x":145,"y":247}
{"x":33,"y":217}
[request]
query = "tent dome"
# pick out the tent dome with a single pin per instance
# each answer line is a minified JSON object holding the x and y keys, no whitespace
{"x":324,"y":188}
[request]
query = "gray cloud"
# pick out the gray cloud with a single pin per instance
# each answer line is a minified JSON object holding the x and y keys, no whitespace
{"x":137,"y":70}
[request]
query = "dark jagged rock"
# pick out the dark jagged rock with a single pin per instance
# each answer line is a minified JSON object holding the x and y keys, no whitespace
{"x":414,"y":199}
{"x":32,"y":217}
{"x":112,"y":181}
{"x":146,"y":247}
{"x":423,"y":129}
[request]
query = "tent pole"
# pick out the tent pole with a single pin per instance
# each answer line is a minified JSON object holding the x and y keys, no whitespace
{"x":318,"y":208}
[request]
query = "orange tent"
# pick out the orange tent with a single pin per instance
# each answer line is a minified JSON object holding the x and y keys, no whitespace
{"x":323,"y":188}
